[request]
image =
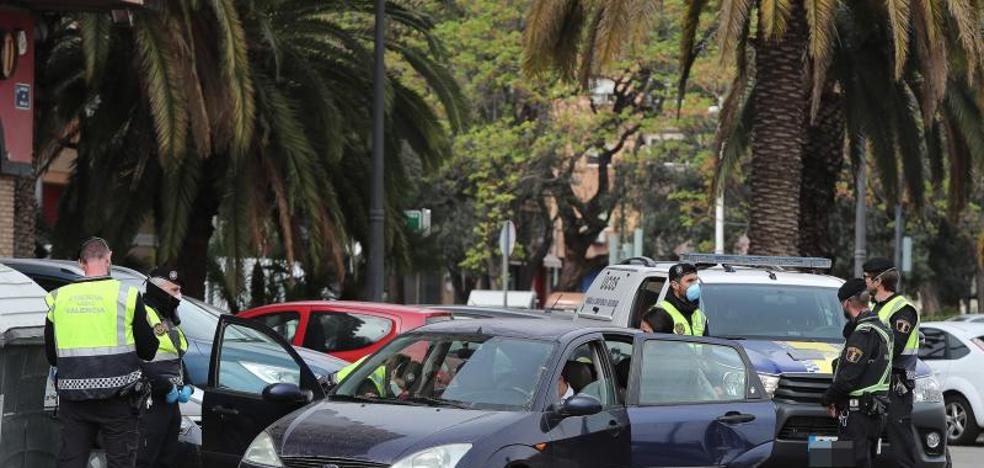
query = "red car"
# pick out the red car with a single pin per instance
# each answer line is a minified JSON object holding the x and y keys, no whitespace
{"x":345,"y":329}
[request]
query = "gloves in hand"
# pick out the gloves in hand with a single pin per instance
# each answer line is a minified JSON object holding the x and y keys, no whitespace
{"x":185,"y":394}
{"x":172,"y":396}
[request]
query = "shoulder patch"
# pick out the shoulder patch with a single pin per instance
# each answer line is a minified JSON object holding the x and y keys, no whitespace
{"x":159,"y":329}
{"x":854,"y":354}
{"x":903,"y":326}
{"x":679,"y":329}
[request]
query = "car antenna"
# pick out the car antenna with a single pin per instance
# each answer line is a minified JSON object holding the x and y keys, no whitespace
{"x":554,"y":303}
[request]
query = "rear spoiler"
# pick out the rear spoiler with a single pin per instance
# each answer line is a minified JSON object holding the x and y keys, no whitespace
{"x":813,"y":263}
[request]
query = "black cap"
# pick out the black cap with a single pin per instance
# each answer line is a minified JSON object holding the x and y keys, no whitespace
{"x":680,"y":270}
{"x":166,"y":273}
{"x":877,"y":265}
{"x":851,"y":288}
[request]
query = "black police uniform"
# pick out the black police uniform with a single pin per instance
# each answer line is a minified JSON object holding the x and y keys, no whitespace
{"x":899,"y":430}
{"x":161,"y":423}
{"x":863,"y":364}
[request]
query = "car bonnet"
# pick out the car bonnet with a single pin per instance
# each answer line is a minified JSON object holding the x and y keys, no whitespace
{"x":381,"y":432}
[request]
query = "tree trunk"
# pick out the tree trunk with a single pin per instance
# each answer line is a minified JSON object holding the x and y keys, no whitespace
{"x":576,"y":265}
{"x":25,"y":217}
{"x":191,"y":261}
{"x":823,"y":160}
{"x":779,"y":102}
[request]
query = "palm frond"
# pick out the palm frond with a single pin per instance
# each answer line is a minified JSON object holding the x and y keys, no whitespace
{"x":179,"y":189}
{"x":928,"y":25}
{"x":96,"y":42}
{"x":688,"y":50}
{"x":621,"y":23}
{"x":820,"y":15}
{"x":235,"y":70}
{"x":733,"y":138}
{"x":552,"y":37}
{"x":775,"y":16}
{"x":966,"y":15}
{"x":899,"y":17}
{"x":168,"y":103}
{"x":734,"y":19}
{"x":910,"y":140}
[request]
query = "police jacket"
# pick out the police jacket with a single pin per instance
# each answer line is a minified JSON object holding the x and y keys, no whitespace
{"x":663,"y":322}
{"x":902,"y":319}
{"x":864,"y":367}
{"x":96,"y":333}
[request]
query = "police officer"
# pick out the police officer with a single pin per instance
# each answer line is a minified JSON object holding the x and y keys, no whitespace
{"x":97,"y":334}
{"x":858,"y":394}
{"x":900,"y":316}
{"x":679,"y":312}
{"x":161,"y":423}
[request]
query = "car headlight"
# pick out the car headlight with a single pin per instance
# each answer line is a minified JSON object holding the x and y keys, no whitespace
{"x":444,"y":456}
{"x":928,"y":390}
{"x":262,"y":452}
{"x":272,"y":374}
{"x":770,"y":382}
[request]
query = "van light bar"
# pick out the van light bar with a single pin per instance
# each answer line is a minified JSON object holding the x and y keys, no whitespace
{"x":758,"y":260}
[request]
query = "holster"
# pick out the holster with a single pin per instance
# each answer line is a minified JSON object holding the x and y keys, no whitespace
{"x":137,"y":394}
{"x":870,"y":405}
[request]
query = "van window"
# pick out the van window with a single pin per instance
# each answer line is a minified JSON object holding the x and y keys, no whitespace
{"x":773,"y":312}
{"x":646,"y":298}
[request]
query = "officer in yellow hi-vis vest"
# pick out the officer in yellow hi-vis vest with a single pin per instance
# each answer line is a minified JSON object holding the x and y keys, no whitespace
{"x":161,"y":424}
{"x":858,"y":395}
{"x":679,"y":311}
{"x":900,"y":316}
{"x":97,"y":336}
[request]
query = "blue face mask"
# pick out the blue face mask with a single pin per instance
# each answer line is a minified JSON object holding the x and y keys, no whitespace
{"x":693,"y":292}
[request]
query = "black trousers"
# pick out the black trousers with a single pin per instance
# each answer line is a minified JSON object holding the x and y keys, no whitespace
{"x":863,"y":431}
{"x":82,"y":421}
{"x":900,"y":428}
{"x":159,"y":429}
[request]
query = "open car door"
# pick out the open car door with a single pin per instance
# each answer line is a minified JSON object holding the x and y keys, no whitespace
{"x":255,"y":377}
{"x":696,"y":402}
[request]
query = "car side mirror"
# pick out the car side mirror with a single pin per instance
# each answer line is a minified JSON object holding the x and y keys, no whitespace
{"x":286,"y":393}
{"x":922,"y":339}
{"x":579,"y":405}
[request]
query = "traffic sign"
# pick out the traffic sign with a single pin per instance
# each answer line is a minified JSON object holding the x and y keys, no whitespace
{"x":507,"y":238}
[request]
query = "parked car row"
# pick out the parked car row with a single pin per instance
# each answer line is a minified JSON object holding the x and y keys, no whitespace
{"x":955,"y":352}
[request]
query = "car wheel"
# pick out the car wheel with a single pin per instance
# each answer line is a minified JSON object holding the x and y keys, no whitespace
{"x":961,"y":425}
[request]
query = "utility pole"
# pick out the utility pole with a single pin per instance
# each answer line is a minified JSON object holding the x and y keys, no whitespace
{"x":376,"y":213}
{"x":719,"y":224}
{"x":860,"y":229}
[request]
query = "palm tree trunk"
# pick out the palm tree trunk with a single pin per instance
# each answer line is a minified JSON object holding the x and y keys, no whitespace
{"x":191,"y":262}
{"x":823,"y":159}
{"x":25,"y":216}
{"x":779,"y":102}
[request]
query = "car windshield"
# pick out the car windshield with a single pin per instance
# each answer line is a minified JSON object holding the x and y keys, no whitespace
{"x":479,"y":372}
{"x":773,"y":312}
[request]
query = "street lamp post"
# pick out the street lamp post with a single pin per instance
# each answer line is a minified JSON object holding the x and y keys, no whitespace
{"x":376,"y":213}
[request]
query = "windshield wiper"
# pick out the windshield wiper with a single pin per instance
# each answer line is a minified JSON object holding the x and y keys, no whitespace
{"x":359,"y":398}
{"x":731,"y":337}
{"x":439,"y":402}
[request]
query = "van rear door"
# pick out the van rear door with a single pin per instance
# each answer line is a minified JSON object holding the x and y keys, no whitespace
{"x":605,"y":297}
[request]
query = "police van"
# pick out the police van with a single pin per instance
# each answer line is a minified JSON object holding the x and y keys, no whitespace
{"x":785,"y":313}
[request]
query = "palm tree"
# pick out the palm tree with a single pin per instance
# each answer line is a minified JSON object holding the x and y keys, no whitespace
{"x":252,"y":113}
{"x":769,"y":108}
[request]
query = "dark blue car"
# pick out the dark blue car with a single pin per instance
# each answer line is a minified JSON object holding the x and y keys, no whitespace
{"x":502,"y":393}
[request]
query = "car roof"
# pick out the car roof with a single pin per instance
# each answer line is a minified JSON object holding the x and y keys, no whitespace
{"x":742,"y":275}
{"x":353,"y":306}
{"x":63,"y":268}
{"x":548,"y":330}
{"x":490,"y":311}
{"x":964,"y":329}
{"x":21,"y":301}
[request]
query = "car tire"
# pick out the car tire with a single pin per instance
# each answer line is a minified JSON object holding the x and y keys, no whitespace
{"x":961,"y":423}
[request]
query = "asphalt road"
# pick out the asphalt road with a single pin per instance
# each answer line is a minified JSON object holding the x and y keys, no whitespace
{"x":967,"y":456}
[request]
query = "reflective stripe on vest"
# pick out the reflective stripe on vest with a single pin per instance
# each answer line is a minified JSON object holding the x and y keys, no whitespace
{"x":694,"y":328}
{"x":94,"y":338}
{"x":907,"y":360}
{"x":883,"y":382}
{"x":167,"y":361}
